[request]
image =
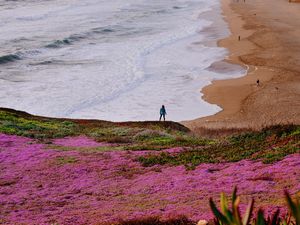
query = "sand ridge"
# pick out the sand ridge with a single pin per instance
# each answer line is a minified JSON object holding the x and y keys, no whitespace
{"x":269,"y":47}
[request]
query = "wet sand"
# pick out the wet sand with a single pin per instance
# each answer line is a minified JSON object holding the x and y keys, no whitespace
{"x":269,"y":47}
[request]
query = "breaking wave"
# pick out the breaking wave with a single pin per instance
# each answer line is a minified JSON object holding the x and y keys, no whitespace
{"x":9,"y":58}
{"x":59,"y":43}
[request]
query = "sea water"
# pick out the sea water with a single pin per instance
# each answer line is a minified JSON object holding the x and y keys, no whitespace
{"x":115,"y":60}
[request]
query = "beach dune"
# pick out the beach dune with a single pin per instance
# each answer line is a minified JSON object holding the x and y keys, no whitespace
{"x":266,"y":40}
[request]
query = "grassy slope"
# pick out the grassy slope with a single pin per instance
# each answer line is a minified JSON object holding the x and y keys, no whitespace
{"x":271,"y":144}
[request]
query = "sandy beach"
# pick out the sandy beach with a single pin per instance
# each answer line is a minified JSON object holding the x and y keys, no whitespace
{"x":269,"y":47}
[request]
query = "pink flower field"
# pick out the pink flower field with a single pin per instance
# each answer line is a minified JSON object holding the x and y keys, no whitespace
{"x":75,"y":181}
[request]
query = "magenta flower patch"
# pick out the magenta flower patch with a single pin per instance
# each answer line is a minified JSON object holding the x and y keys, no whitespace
{"x":43,"y":186}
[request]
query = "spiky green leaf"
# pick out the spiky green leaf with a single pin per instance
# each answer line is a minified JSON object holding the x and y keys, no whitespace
{"x":217,"y":213}
{"x":260,"y":218}
{"x":236,"y":212}
{"x":294,"y":207}
{"x":224,"y":203}
{"x":275,"y":218}
{"x":248,"y":214}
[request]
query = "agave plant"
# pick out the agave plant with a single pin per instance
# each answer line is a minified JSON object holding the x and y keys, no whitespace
{"x":232,"y":216}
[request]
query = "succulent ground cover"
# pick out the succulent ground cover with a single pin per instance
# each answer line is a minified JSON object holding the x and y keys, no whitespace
{"x":270,"y":145}
{"x":96,"y":172}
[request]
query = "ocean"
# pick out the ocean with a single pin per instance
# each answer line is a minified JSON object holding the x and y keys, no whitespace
{"x":115,"y":60}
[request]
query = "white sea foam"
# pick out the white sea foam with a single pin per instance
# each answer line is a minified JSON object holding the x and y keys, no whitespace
{"x":114,"y":60}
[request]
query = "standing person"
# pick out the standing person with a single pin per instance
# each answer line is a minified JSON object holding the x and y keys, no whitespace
{"x":163,"y":113}
{"x":257,"y":82}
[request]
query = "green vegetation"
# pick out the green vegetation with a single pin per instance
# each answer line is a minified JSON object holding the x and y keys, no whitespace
{"x":86,"y":149}
{"x":129,"y":135}
{"x":12,"y":123}
{"x":271,"y":144}
{"x":65,"y":160}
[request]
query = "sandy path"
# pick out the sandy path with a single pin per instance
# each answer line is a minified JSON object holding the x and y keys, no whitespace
{"x":270,"y":47}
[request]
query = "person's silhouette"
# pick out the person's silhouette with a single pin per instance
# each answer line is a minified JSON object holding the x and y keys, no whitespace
{"x":163,"y":113}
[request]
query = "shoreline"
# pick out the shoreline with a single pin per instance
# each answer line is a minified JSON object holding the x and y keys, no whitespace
{"x":263,"y":48}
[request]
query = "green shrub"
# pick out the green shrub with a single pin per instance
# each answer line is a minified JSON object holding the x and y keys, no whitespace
{"x":11,"y":123}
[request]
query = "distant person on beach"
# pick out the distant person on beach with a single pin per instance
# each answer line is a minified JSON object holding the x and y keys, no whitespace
{"x":163,"y":113}
{"x":257,"y":82}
